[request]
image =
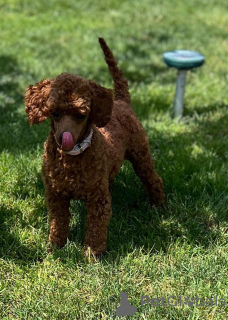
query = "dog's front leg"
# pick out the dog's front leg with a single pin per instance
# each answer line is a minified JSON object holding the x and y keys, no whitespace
{"x":99,"y":211}
{"x":59,"y":217}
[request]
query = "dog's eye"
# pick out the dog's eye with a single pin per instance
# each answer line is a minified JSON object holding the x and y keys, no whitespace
{"x":81,"y":116}
{"x":55,"y":115}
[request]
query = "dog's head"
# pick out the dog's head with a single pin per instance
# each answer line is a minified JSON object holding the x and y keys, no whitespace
{"x":72,"y":103}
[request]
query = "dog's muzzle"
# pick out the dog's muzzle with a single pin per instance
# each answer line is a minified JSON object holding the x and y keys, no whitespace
{"x":79,"y":147}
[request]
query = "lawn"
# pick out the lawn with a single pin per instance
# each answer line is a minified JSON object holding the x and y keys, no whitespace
{"x":178,"y":250}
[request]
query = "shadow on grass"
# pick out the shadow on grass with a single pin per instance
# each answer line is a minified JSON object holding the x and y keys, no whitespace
{"x":153,"y":104}
{"x":16,"y":135}
{"x":10,"y":242}
{"x":140,"y":62}
{"x":204,"y":109}
{"x":196,"y":189}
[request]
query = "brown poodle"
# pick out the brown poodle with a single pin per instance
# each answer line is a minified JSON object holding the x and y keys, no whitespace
{"x":92,"y":132}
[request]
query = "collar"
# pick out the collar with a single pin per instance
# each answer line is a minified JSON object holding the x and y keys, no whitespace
{"x":80,"y":147}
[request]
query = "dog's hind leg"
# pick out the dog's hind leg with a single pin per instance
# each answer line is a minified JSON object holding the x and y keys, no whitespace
{"x":138,"y":153}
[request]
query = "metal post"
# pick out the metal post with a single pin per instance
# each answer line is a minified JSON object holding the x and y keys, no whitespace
{"x":179,"y":95}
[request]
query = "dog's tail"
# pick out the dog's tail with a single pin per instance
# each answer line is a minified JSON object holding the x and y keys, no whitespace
{"x":121,"y":90}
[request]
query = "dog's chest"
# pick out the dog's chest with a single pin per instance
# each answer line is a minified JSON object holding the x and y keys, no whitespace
{"x":71,"y":175}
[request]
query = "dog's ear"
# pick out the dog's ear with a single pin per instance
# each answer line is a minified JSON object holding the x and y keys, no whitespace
{"x":102,"y":102}
{"x":36,"y":101}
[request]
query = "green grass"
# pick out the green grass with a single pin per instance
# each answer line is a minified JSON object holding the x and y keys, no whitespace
{"x":178,"y":250}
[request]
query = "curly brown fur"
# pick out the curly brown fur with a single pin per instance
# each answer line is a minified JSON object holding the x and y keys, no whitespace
{"x":76,"y":105}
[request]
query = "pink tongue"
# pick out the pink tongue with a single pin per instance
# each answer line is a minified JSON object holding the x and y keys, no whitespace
{"x":67,"y":141}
